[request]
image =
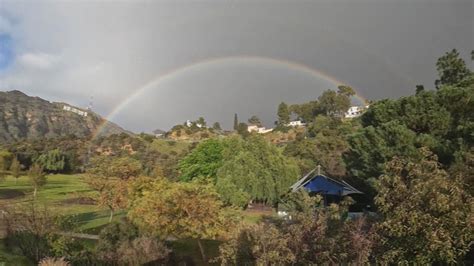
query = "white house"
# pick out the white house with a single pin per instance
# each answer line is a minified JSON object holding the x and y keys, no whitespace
{"x":259,"y":130}
{"x":296,"y":123}
{"x":189,"y":124}
{"x":355,"y":111}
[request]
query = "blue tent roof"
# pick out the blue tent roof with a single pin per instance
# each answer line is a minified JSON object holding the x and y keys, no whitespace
{"x":322,"y":184}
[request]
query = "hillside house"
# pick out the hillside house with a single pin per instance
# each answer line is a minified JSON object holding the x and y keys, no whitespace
{"x":259,"y":130}
{"x":296,"y":123}
{"x":355,"y":111}
{"x":332,"y":190}
{"x":188,"y":123}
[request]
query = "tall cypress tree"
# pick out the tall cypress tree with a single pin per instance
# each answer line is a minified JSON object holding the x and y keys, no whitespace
{"x":236,"y":122}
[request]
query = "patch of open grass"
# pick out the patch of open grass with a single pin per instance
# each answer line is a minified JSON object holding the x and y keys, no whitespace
{"x":169,"y":146}
{"x":56,"y":195}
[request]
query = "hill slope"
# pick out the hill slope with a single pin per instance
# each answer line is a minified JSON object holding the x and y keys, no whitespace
{"x":25,"y":117}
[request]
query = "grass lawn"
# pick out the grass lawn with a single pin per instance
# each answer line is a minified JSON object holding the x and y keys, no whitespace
{"x":169,"y":146}
{"x":61,"y":194}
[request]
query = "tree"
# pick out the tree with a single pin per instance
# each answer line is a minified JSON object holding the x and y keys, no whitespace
{"x":33,"y":231}
{"x":37,"y":178}
{"x":3,"y":176}
{"x":5,"y":160}
{"x":203,"y":161}
{"x":201,"y":121}
{"x":112,"y":193}
{"x":336,"y":103}
{"x":372,"y":147}
{"x":426,"y":215}
{"x":306,"y":111}
{"x":261,"y":244}
{"x":463,"y":168}
{"x":15,"y":169}
{"x":254,"y":120}
{"x":183,"y":210}
{"x":111,"y":238}
{"x":312,"y":236}
{"x":283,"y":114}
{"x":217,"y":126}
{"x":53,"y":161}
{"x":122,"y":167}
{"x":242,"y":130}
{"x":143,"y":250}
{"x":325,"y":235}
{"x":452,"y":70}
{"x":236,"y":122}
{"x":258,"y":170}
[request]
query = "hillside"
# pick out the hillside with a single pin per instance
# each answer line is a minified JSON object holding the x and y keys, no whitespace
{"x":26,"y":117}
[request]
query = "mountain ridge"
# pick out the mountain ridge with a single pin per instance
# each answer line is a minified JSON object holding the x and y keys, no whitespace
{"x":24,"y":117}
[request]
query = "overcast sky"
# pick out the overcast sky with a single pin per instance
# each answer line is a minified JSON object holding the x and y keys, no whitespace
{"x":217,"y":58}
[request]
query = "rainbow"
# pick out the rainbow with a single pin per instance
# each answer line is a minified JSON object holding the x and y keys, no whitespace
{"x":202,"y":64}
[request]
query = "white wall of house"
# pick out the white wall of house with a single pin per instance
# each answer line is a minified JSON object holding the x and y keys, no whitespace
{"x":355,"y":111}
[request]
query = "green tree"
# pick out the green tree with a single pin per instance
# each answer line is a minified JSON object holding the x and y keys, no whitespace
{"x":258,"y":170}
{"x":452,"y":70}
{"x":112,"y":236}
{"x":183,"y":210}
{"x":306,"y":111}
{"x":201,"y":121}
{"x":112,"y":193}
{"x":37,"y":178}
{"x":217,"y":126}
{"x":242,"y":130}
{"x":426,"y":215}
{"x":122,"y":167}
{"x":283,"y":114}
{"x":372,"y":147}
{"x":5,"y":160}
{"x":203,"y":161}
{"x":463,"y":168}
{"x":236,"y":122}
{"x":53,"y":161}
{"x":254,"y":120}
{"x":261,"y":244}
{"x":313,"y":236}
{"x":15,"y":169}
{"x":334,"y":103}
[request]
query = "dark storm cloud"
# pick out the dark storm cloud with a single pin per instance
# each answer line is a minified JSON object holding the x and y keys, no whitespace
{"x":69,"y":51}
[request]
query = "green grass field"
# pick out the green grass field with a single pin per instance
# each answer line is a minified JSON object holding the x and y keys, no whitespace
{"x":63,"y":194}
{"x":169,"y":146}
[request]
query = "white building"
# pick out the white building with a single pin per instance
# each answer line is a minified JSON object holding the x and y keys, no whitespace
{"x":296,"y":123}
{"x":189,"y":124}
{"x":75,"y":110}
{"x":355,"y":111}
{"x":259,"y":130}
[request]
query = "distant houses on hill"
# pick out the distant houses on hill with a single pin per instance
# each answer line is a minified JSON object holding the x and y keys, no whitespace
{"x":189,"y":123}
{"x":263,"y":130}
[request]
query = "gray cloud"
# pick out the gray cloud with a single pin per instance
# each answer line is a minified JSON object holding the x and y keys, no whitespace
{"x":68,"y":51}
